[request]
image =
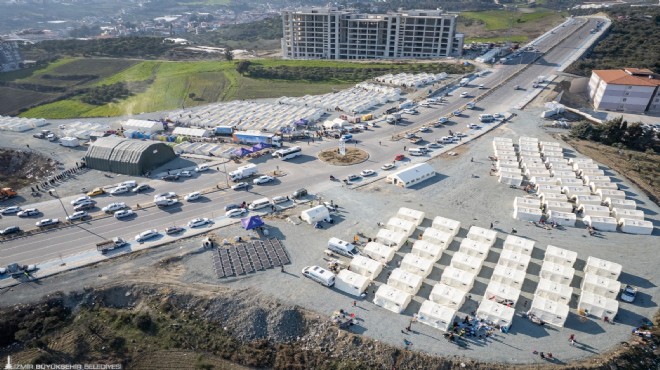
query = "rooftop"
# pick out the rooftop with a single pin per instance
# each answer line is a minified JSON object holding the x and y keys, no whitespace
{"x":629,"y":76}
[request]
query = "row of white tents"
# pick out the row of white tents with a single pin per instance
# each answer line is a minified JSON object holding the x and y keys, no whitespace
{"x":206,"y":149}
{"x":84,"y":130}
{"x":411,"y":80}
{"x":19,"y":124}
{"x":355,"y":100}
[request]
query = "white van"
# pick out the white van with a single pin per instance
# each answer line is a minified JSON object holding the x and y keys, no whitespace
{"x":320,"y":275}
{"x":416,"y":151}
{"x":260,"y":203}
{"x":446,"y":140}
{"x":342,"y":247}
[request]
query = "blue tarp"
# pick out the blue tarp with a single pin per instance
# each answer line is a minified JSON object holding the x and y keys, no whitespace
{"x":301,"y":122}
{"x":241,"y":152}
{"x":260,"y":146}
{"x":251,"y":222}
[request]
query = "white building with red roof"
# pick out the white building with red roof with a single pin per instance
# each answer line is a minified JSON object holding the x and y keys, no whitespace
{"x":633,"y":90}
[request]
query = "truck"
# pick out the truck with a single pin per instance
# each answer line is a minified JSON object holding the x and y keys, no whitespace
{"x":256,"y":137}
{"x":223,"y":130}
{"x":464,"y":81}
{"x":108,"y":245}
{"x":243,"y":172}
{"x":393,"y":118}
{"x":6,"y":193}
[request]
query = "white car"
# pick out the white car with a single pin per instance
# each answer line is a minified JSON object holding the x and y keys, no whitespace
{"x":124,"y":213}
{"x":119,"y":190}
{"x":409,"y":135}
{"x":80,"y":215}
{"x":473,"y":126}
{"x":460,"y":134}
{"x":457,"y":113}
{"x":47,"y":222}
{"x":112,"y":207}
{"x":202,"y":168}
{"x":80,"y":200}
{"x":442,"y":120}
{"x":235,"y":212}
{"x":199,"y":222}
{"x":367,"y":173}
{"x":185,"y":173}
{"x":263,"y":180}
{"x":28,"y":212}
{"x":141,"y":187}
{"x":387,"y":166}
{"x":146,"y":235}
{"x":410,"y":111}
{"x":11,"y":210}
{"x":481,"y":86}
{"x":279,"y":199}
{"x":352,"y":177}
{"x":240,"y":186}
{"x":498,"y":115}
{"x":464,"y":94}
{"x":168,"y":195}
{"x":433,"y":145}
{"x":424,"y":129}
{"x":192,"y":196}
{"x":361,"y":127}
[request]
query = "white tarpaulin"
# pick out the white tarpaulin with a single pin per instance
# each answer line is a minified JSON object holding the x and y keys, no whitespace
{"x":553,"y":196}
{"x":457,"y":278}
{"x":600,"y":285}
{"x":401,"y":225}
{"x":508,"y":275}
{"x":366,"y":266}
{"x":351,"y":282}
{"x":448,"y":296}
{"x":482,"y":235}
{"x":417,"y":265}
{"x":550,"y":312}
{"x":598,"y":306}
{"x":558,"y":273}
{"x":405,"y":281}
{"x":428,"y":250}
{"x":474,"y":248}
{"x":581,"y":199}
{"x":516,"y":260}
{"x":502,"y":293}
{"x":391,"y":298}
{"x":495,"y":313}
{"x":378,"y":252}
{"x":610,"y":193}
{"x":560,"y":256}
{"x":447,"y":225}
{"x":603,"y":268}
{"x":143,"y":126}
{"x":466,"y":262}
{"x":554,"y":291}
{"x":434,"y":315}
{"x":518,"y":244}
{"x":391,"y":238}
{"x":435,"y":236}
{"x":411,"y":215}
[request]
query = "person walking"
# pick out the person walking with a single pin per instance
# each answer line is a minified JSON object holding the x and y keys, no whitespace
{"x":354,"y":303}
{"x":491,"y":226}
{"x":571,"y":339}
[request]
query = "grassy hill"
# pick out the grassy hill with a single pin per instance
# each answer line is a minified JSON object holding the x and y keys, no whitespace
{"x":518,"y":25}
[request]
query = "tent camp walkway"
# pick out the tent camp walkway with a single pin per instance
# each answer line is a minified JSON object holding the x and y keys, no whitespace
{"x":249,"y":257}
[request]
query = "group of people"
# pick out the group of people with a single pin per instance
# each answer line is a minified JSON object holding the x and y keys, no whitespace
{"x":59,"y":177}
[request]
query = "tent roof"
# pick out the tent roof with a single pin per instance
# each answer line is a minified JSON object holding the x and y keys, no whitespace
{"x":495,"y":312}
{"x":596,"y":264}
{"x":353,"y":278}
{"x":378,"y":249}
{"x":315,"y":211}
{"x":503,"y":291}
{"x":365,"y":262}
{"x":447,"y":292}
{"x":454,"y":273}
{"x":434,"y":310}
{"x":557,"y":253}
{"x":392,"y":294}
{"x":405,"y":277}
{"x":552,"y":288}
{"x":550,"y":306}
{"x":435,"y":234}
{"x":252,"y":222}
{"x":413,"y":172}
{"x":189,"y":131}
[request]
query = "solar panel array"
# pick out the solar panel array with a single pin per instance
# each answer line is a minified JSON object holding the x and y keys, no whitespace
{"x":249,"y":257}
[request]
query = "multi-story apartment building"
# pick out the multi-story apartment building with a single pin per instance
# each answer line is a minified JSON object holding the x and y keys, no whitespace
{"x":327,"y":33}
{"x":631,"y":90}
{"x":10,"y":58}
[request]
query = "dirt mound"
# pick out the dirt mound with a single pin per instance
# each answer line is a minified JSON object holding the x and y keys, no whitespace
{"x":353,"y":156}
{"x":19,"y":168}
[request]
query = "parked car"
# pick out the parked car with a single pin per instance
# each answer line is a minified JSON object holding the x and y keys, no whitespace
{"x":10,"y":230}
{"x":279,"y":199}
{"x":387,"y":166}
{"x":95,"y":192}
{"x":10,"y":210}
{"x":146,"y":235}
{"x":367,"y":173}
{"x":231,"y":206}
{"x":240,"y":185}
{"x":263,"y":180}
{"x":629,"y":294}
{"x":124,"y":213}
{"x":79,"y":200}
{"x":464,"y":94}
{"x":399,"y":157}
{"x":197,"y":222}
{"x":235,"y":212}
{"x":141,"y":187}
{"x":457,"y":113}
{"x":352,"y":177}
{"x":424,"y":129}
{"x":119,"y":190}
{"x":171,"y":230}
{"x":112,"y":207}
{"x":202,"y":168}
{"x":193,"y":196}
{"x":170,"y":177}
{"x":185,"y":174}
{"x":299,"y":193}
{"x":47,"y":222}
{"x":168,"y":195}
{"x":79,"y":215}
{"x":28,"y":212}
{"x":473,"y":126}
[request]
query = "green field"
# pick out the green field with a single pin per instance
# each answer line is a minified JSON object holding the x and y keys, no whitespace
{"x":503,"y":19}
{"x":516,"y":38}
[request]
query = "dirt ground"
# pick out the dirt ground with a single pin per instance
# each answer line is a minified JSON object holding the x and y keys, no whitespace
{"x":19,"y":168}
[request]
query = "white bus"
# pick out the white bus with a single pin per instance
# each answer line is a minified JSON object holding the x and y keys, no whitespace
{"x":289,"y":153}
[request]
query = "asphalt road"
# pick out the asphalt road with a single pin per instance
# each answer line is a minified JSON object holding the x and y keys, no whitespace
{"x":303,"y":171}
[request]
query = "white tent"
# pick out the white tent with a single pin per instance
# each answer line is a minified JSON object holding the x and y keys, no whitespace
{"x":611,"y":193}
{"x":540,"y":180}
{"x":428,"y":250}
{"x":391,"y":238}
{"x":435,"y":315}
{"x":366,"y":266}
{"x":555,"y":291}
{"x":467,"y":262}
{"x":411,"y":215}
{"x":558,"y":273}
{"x":527,"y":202}
{"x":594,"y":186}
{"x":590,"y":171}
{"x":619,"y":203}
{"x":510,"y":179}
{"x":351,"y":282}
{"x":562,"y":218}
{"x":446,"y":225}
{"x":515,"y":260}
{"x":495,"y":313}
{"x":417,"y":265}
{"x":553,"y":196}
{"x":143,"y":126}
{"x":603,"y":268}
{"x":474,"y":248}
{"x":411,"y":175}
{"x":543,"y":189}
{"x":560,"y":256}
{"x":482,"y":235}
{"x":502,"y":293}
{"x":378,"y":252}
{"x":557,"y":206}
{"x":550,"y":312}
{"x":448,"y":296}
{"x":518,"y":244}
{"x":576,"y":190}
{"x":508,"y":275}
{"x":458,"y":279}
{"x":634,"y":214}
{"x":315,"y":214}
{"x":631,"y":226}
{"x":568,"y":181}
{"x":527,"y":214}
{"x":586,"y":179}
{"x":600,"y":285}
{"x":580,"y":160}
{"x":405,"y":281}
{"x":434,"y":236}
{"x":599,"y":306}
{"x":401,"y":225}
{"x":189,"y":131}
{"x":581,"y":199}
{"x":600,"y":223}
{"x":392,"y":299}
{"x":592,"y":210}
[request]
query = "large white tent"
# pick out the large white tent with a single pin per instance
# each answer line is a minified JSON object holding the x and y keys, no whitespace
{"x":405,"y":281}
{"x":391,"y":298}
{"x":366,"y":266}
{"x":457,"y":278}
{"x":192,"y":132}
{"x":508,"y":275}
{"x":143,"y":126}
{"x":560,"y":256}
{"x":401,"y":225}
{"x":518,"y":244}
{"x":448,"y":296}
{"x":474,"y":248}
{"x":411,"y":215}
{"x":446,"y":224}
{"x":435,"y":236}
{"x":558,"y":273}
{"x":379,"y":252}
{"x":598,"y":306}
{"x":603,"y":268}
{"x":411,"y":175}
{"x":482,"y":235}
{"x":428,"y":250}
{"x":435,"y":315}
{"x":633,"y":226}
{"x":417,"y":265}
{"x":315,"y":214}
{"x":496,"y":314}
{"x":516,"y":260}
{"x":391,"y":238}
{"x":502,"y":293}
{"x":549,"y":311}
{"x":600,"y":223}
{"x":467,"y":262}
{"x":600,"y":285}
{"x":351,"y":282}
{"x":554,"y":291}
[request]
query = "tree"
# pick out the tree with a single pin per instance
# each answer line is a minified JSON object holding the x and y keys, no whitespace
{"x":612,"y":132}
{"x":229,"y":54}
{"x":243,"y":66}
{"x":191,"y":96}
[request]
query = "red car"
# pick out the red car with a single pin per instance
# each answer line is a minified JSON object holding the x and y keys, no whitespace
{"x":399,"y":157}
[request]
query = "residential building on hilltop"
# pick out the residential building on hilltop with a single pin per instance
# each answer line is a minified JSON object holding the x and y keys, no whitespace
{"x":10,"y":58}
{"x":328,"y":33}
{"x":632,"y":90}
